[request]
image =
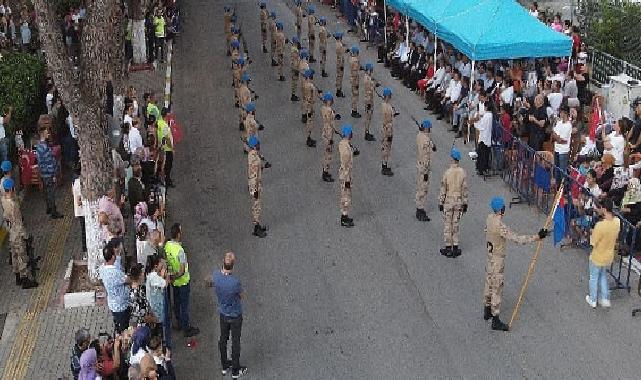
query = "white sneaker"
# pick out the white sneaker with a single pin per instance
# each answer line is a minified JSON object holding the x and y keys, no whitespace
{"x":590,"y":302}
{"x":604,"y":303}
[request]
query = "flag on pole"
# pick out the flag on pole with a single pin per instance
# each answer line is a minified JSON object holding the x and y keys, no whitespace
{"x":559,"y":220}
{"x":595,"y":120}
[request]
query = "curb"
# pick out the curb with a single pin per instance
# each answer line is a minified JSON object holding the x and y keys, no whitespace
{"x":170,"y":48}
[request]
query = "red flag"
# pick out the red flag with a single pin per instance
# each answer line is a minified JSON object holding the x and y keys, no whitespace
{"x":176,"y":131}
{"x":595,"y":120}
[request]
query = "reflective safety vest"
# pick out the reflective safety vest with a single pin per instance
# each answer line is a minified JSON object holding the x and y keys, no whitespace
{"x":172,"y":250}
{"x":164,"y":132}
{"x":159,"y":24}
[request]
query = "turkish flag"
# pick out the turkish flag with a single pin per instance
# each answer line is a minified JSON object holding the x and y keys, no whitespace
{"x":176,"y":130}
{"x":595,"y":120}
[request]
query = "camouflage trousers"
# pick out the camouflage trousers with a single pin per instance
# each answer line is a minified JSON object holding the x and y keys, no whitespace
{"x":346,"y":198}
{"x":494,"y":278}
{"x":323,"y":59}
{"x":312,"y":44}
{"x":299,"y":30}
{"x":421,"y":189}
{"x":386,"y":147}
{"x":280,"y":60}
{"x":327,"y":155}
{"x":309,"y":125}
{"x":368,"y":117}
{"x":340,"y":71}
{"x":272,"y":45}
{"x":256,"y":208}
{"x":354,"y":94}
{"x":242,"y":114}
{"x":19,"y":258}
{"x":451,"y":222}
{"x":263,"y":34}
{"x":295,"y":76}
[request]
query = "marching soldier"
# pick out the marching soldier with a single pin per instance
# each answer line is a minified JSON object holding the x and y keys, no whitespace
{"x":250,"y":126}
{"x":254,"y":179}
{"x":453,"y":203}
{"x":369,"y":85}
{"x":244,"y":97}
{"x":17,"y":236}
{"x":424,"y":148}
{"x":328,"y":116}
{"x":497,"y":233}
{"x":295,"y":63}
{"x":298,"y":12}
{"x":322,"y":45}
{"x":311,"y":33}
{"x":235,"y":52}
{"x":238,"y":71}
{"x":272,"y":36}
{"x":345,"y":175}
{"x":227,"y":17}
{"x":280,"y":50}
{"x":388,"y":131}
{"x":340,"y":64}
{"x":264,"y":16}
{"x":354,"y":68}
{"x":303,"y":65}
{"x":309,"y":90}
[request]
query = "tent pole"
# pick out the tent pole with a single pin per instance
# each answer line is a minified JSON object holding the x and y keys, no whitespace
{"x":385,"y":28}
{"x":435,"y":45}
{"x":407,"y":31}
{"x":472,"y":75}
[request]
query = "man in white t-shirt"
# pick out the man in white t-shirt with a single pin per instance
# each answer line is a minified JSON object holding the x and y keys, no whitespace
{"x":614,"y":143}
{"x":135,"y":139}
{"x":555,"y":98}
{"x":484,"y":127}
{"x":78,"y":207}
{"x":562,"y":135}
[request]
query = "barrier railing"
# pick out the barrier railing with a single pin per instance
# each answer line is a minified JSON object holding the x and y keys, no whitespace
{"x":604,"y":65}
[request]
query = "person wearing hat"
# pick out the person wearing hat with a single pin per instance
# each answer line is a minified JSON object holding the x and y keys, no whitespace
{"x":369,"y":86}
{"x":303,"y":66}
{"x":239,"y":70}
{"x":17,"y":236}
{"x":227,"y":24}
{"x":254,"y":179}
{"x":354,"y":68}
{"x":346,"y":155}
{"x":250,"y":126}
{"x":424,"y":148}
{"x":496,"y":234}
{"x":388,"y":131}
{"x":311,"y":33}
{"x":264,"y":16}
{"x":322,"y":45}
{"x":280,"y":50}
{"x":298,"y":12}
{"x":329,"y":117}
{"x":340,"y":64}
{"x":295,"y":64}
{"x":244,"y":97}
{"x":309,"y":94}
{"x":562,"y":136}
{"x":235,"y":51}
{"x":6,"y":173}
{"x":452,"y":202}
{"x":272,"y":36}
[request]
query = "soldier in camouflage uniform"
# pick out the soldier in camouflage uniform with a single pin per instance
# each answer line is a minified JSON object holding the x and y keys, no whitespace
{"x":227,"y":15}
{"x":497,"y":233}
{"x":264,"y":16}
{"x":345,"y":175}
{"x":255,"y":186}
{"x":329,"y":117}
{"x":280,"y":50}
{"x":452,"y":203}
{"x":250,"y":126}
{"x":424,"y":148}
{"x":311,"y":33}
{"x":244,"y":97}
{"x":238,"y":71}
{"x":322,"y":45}
{"x":354,"y":76}
{"x":295,"y":63}
{"x":388,"y":131}
{"x":272,"y":36}
{"x":340,"y":64}
{"x":17,"y":236}
{"x":303,"y":65}
{"x":369,"y":86}
{"x":309,"y":95}
{"x":298,"y":12}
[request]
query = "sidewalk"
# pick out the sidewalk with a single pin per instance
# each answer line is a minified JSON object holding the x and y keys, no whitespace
{"x":38,"y":332}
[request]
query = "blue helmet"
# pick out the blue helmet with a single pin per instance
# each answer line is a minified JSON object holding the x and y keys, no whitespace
{"x":426,"y":124}
{"x":227,"y":8}
{"x":263,"y":4}
{"x":355,"y":49}
{"x":234,"y":30}
{"x":252,"y":141}
{"x":8,"y":184}
{"x":297,"y":2}
{"x":279,"y":25}
{"x":338,"y":35}
{"x":235,"y":44}
{"x":250,"y":107}
{"x":369,"y":67}
{"x":308,"y":73}
{"x":347,"y":130}
{"x":240,"y":61}
{"x":245,"y":78}
{"x":497,"y":204}
{"x":295,"y":39}
{"x":272,"y":14}
{"x":303,"y":54}
{"x":455,"y":154}
{"x":387,"y":92}
{"x":5,"y":166}
{"x":322,"y":20}
{"x":234,"y":18}
{"x":311,"y":9}
{"x":328,"y":97}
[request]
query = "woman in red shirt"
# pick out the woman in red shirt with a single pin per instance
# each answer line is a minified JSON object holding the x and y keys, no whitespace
{"x":429,"y":73}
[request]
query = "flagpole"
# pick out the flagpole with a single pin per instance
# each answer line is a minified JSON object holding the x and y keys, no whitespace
{"x":530,"y":270}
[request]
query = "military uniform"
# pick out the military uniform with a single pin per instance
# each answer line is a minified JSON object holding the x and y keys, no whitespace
{"x":254,"y":179}
{"x":227,"y":24}
{"x":272,"y":39}
{"x":354,"y":68}
{"x":340,"y":67}
{"x":453,"y":199}
{"x":17,"y":236}
{"x":328,"y":115}
{"x":424,"y":147}
{"x":369,"y":87}
{"x":303,"y":65}
{"x":264,"y":16}
{"x":236,"y":75}
{"x":244,"y":97}
{"x":309,"y":94}
{"x":251,"y":129}
{"x":388,"y":131}
{"x":280,"y":51}
{"x":322,"y":46}
{"x":298,"y":11}
{"x":295,"y":64}
{"x":311,"y":35}
{"x":345,"y":175}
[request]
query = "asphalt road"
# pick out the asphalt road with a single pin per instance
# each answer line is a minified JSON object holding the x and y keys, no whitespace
{"x":377,"y":301}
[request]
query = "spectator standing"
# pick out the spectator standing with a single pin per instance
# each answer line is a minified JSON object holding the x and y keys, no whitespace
{"x":603,"y":239}
{"x":48,"y":166}
{"x":78,"y":207}
{"x":483,"y":124}
{"x":537,"y":118}
{"x":614,"y":143}
{"x":159,"y":34}
{"x":135,"y":138}
{"x":162,"y":358}
{"x":117,"y":286}
{"x":166,"y":142}
{"x":25,"y":36}
{"x":562,"y":134}
{"x":136,"y":188}
{"x":138,"y":296}
{"x":179,"y":269}
{"x":156,"y":288}
{"x":229,"y":293}
{"x":82,"y":340}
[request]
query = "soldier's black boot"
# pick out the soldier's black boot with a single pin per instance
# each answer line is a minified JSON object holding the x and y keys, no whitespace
{"x":456,"y":251}
{"x":310,"y":142}
{"x":487,"y":313}
{"x":261,"y":127}
{"x":445,"y":251}
{"x":498,"y":325}
{"x":259,"y":231}
{"x":355,"y":114}
{"x":303,"y":118}
{"x":346,"y":221}
{"x":18,"y":279}
{"x":312,"y":59}
{"x":385,"y":170}
{"x":327,"y":177}
{"x":282,"y":78}
{"x":264,"y":49}
{"x":294,"y":98}
{"x":28,"y":283}
{"x":236,"y":105}
{"x":369,"y":137}
{"x":241,"y":126}
{"x":339,"y":94}
{"x":324,"y":74}
{"x":422,"y":215}
{"x":274,"y":63}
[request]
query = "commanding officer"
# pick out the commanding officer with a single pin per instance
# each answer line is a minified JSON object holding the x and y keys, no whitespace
{"x":17,"y":236}
{"x":311,"y":33}
{"x":328,"y":116}
{"x":345,"y":175}
{"x":272,"y":36}
{"x":227,"y":17}
{"x":452,"y":203}
{"x":322,"y":45}
{"x":280,"y":50}
{"x":424,"y":147}
{"x":264,"y":16}
{"x":309,"y":90}
{"x":298,"y":12}
{"x":340,"y":63}
{"x":250,"y":125}
{"x":295,"y":63}
{"x":369,"y":85}
{"x":254,"y":179}
{"x":388,"y":131}
{"x":354,"y":68}
{"x":497,"y":233}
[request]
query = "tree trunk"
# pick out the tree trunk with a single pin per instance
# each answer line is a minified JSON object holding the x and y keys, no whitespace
{"x":139,"y":42}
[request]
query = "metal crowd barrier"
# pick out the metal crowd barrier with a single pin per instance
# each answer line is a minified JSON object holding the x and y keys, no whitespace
{"x":604,"y":65}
